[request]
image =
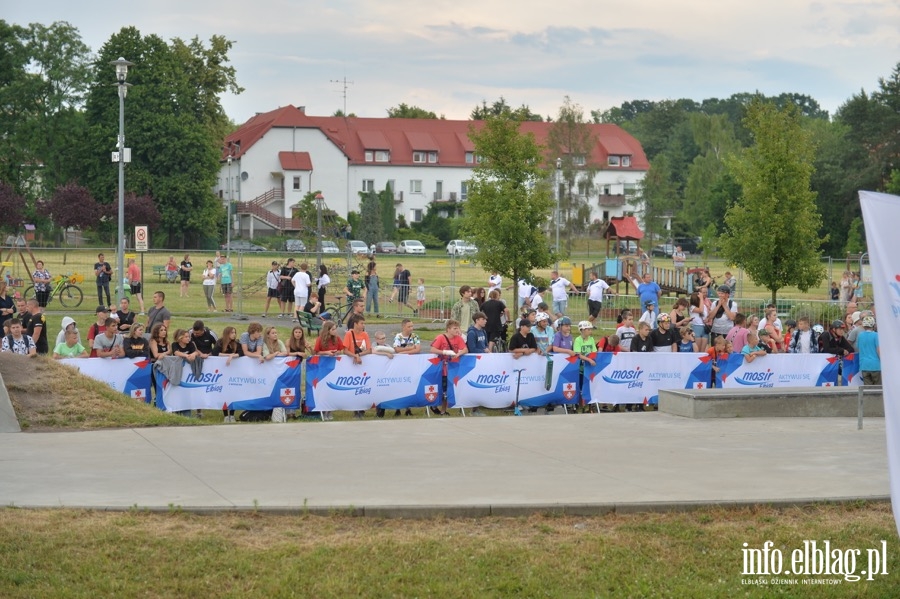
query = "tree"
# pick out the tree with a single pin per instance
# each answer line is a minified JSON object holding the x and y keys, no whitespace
{"x":72,"y":205}
{"x":509,"y":200}
{"x":570,"y":140}
{"x":11,"y":205}
{"x":772,"y":232}
{"x":656,"y":197}
{"x":370,"y":227}
{"x":402,"y":111}
{"x":388,"y":212}
{"x":501,"y":108}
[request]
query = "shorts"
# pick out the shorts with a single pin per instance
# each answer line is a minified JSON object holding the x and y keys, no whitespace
{"x":272,"y":293}
{"x":185,"y":275}
{"x":226,"y":288}
{"x":594,"y":308}
{"x":403,"y":293}
{"x":287,"y":292}
{"x":136,"y":288}
{"x":700,"y":331}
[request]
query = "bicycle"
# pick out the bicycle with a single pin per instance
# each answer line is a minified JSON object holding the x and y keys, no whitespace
{"x":501,"y":346}
{"x":64,"y":286}
{"x":338,"y":309}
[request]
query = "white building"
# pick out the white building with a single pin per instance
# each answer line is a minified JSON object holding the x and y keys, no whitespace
{"x":278,"y":156}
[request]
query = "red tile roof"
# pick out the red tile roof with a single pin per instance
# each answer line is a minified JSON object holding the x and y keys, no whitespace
{"x":353,"y":136}
{"x":295,"y":161}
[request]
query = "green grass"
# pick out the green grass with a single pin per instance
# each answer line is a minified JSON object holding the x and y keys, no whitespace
{"x":69,"y":553}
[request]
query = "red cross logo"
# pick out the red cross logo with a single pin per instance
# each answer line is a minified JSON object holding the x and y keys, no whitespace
{"x":137,"y":393}
{"x":287,"y":396}
{"x":700,"y":385}
{"x":569,"y":390}
{"x":431,"y":393}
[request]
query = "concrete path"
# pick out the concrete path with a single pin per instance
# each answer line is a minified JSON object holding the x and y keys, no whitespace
{"x":452,"y":465}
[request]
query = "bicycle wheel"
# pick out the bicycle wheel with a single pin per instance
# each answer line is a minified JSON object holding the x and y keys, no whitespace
{"x":29,"y":293}
{"x":70,"y":296}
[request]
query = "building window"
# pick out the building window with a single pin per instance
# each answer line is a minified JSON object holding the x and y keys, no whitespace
{"x":626,"y":160}
{"x":392,"y":185}
{"x":415,"y":186}
{"x":415,"y":215}
{"x":630,"y":189}
{"x":583,"y":187}
{"x":470,"y":157}
{"x":613,"y":161}
{"x":607,"y":190}
{"x":418,"y":156}
{"x":370,"y":156}
{"x":432,"y":157}
{"x":579,"y":160}
{"x":382,"y":156}
{"x":464,"y":191}
{"x":368,"y":185}
{"x":606,"y":216}
{"x":296,"y":183}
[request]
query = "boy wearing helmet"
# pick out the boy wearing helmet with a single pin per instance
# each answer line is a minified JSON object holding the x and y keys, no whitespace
{"x":663,"y":337}
{"x":584,"y":344}
{"x":869,"y":352}
{"x":542,"y":332}
{"x":834,"y":342}
{"x":562,"y":341}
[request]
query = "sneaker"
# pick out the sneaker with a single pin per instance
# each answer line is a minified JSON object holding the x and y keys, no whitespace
{"x":415,"y":312}
{"x":263,"y":315}
{"x":141,"y":314}
{"x":408,"y":412}
{"x":281,"y":316}
{"x":396,"y":413}
{"x":379,"y":412}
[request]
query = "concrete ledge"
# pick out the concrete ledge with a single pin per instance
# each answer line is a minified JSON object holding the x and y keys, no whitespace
{"x":772,"y":402}
{"x":9,"y":423}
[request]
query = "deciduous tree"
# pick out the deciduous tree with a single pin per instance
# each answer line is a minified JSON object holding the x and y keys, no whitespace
{"x":773,"y":230}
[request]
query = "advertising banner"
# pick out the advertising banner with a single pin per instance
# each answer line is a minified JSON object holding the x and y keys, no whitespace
{"x":244,"y":384}
{"x":491,"y":380}
{"x":778,"y":370}
{"x":629,"y":378}
{"x":128,"y":376}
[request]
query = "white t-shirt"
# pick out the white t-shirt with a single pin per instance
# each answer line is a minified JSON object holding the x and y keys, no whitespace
{"x":211,"y":273}
{"x":272,"y":279}
{"x":625,"y":334}
{"x":324,"y":280}
{"x":697,"y":318}
{"x":301,"y":284}
{"x":777,"y":323}
{"x":596,"y":289}
{"x":537,"y":299}
{"x":558,"y":288}
{"x":496,"y":282}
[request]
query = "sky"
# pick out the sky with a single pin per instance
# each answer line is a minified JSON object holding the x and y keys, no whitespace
{"x":448,"y":56}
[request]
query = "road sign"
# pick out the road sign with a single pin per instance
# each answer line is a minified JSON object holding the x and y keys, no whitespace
{"x":141,"y":238}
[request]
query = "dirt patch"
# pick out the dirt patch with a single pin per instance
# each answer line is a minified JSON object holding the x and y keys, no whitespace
{"x":23,"y":378}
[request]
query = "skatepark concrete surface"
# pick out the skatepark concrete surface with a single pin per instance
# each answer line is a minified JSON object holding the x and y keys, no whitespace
{"x":453,"y":466}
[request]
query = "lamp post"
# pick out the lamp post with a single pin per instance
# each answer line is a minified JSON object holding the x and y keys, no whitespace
{"x":121,"y":73}
{"x":233,"y":149}
{"x":319,"y":199}
{"x":556,"y":179}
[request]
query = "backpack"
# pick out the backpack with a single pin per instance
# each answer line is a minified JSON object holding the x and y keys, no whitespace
{"x":28,"y":342}
{"x":255,"y":416}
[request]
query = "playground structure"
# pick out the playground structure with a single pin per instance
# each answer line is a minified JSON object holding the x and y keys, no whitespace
{"x":18,"y":245}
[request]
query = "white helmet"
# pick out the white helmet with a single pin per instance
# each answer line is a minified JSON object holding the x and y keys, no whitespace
{"x":819,"y":329}
{"x":541,"y":317}
{"x":585,"y":324}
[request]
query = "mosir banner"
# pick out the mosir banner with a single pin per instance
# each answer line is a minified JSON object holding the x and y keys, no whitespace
{"x":494,"y":380}
{"x":243,"y":384}
{"x":129,"y":376}
{"x":637,"y":378}
{"x":779,"y":370}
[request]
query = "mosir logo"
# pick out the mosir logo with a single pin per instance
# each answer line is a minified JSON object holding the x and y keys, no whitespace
{"x":207,"y":380}
{"x":357,"y":384}
{"x":497,"y":382}
{"x":756,"y":379}
{"x":632,"y":378}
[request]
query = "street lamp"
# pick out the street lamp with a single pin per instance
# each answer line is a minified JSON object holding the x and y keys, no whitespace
{"x":319,"y":200}
{"x":556,"y":180}
{"x":121,"y":73}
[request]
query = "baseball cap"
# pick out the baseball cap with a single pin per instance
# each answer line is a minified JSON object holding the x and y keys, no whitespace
{"x":856,"y":316}
{"x":524,"y":322}
{"x":724,"y":289}
{"x":101,"y":309}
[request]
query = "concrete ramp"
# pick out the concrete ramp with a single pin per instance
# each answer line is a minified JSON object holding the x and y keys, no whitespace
{"x":772,"y":402}
{"x":8,"y":421}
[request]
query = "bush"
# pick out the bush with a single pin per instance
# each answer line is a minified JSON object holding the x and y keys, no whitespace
{"x":818,"y":312}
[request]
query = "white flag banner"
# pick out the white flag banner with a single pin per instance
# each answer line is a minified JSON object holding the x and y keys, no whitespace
{"x":881,"y":213}
{"x":130,"y":376}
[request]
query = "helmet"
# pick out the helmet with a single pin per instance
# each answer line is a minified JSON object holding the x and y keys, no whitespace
{"x":819,"y":329}
{"x":585,"y":324}
{"x":662,"y":318}
{"x":791,"y":323}
{"x":564,"y":320}
{"x":868,"y":322}
{"x":838,"y":324}
{"x":541,"y":317}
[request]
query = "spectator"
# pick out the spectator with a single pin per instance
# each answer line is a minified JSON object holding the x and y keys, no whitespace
{"x":523,"y":343}
{"x":595,"y":289}
{"x":663,"y":338}
{"x":495,"y":281}
{"x":804,"y":340}
{"x":752,"y":349}
{"x":296,"y":345}
{"x":302,"y":283}
{"x":730,"y":282}
{"x":406,"y":341}
{"x":478,"y":294}
{"x":226,"y":280}
{"x":204,"y":339}
{"x":67,"y":324}
{"x":70,"y":347}
{"x":717,"y":354}
{"x":7,"y":305}
{"x":134,"y":344}
{"x":650,"y":314}
{"x":103,"y":272}
{"x":251,"y":341}
{"x":228,"y":347}
{"x":272,"y":346}
{"x":41,"y":279}
{"x":626,"y":331}
{"x":209,"y":285}
{"x":687,"y":343}
{"x":322,"y":283}
{"x":678,"y":258}
{"x":833,"y":340}
{"x":772,"y":325}
{"x":649,"y":291}
{"x":272,"y":280}
{"x":562,"y":340}
{"x":641,"y":342}
{"x":134,"y":280}
{"x":465,"y":308}
{"x":171,"y":270}
{"x":395,"y":289}
{"x":159,"y":343}
{"x":109,"y":344}
{"x":721,"y":316}
{"x":559,"y":288}
{"x":698,"y":312}
{"x":37,"y":326}
{"x":287,"y":288}
{"x":738,"y":333}
{"x":372,"y":290}
{"x":125,"y":316}
{"x":17,"y":342}
{"x":543,"y":334}
{"x":497,"y":315}
{"x":449,"y":345}
{"x":420,"y":296}
{"x":356,"y":345}
{"x":869,"y":352}
{"x":185,"y":273}
{"x":328,"y":343}
{"x":404,"y":277}
{"x":158,"y":314}
{"x":476,"y":338}
{"x":678,"y":316}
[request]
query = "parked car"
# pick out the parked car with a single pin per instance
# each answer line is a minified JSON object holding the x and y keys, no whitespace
{"x":460,"y":247}
{"x":385,"y":247}
{"x":689,"y":245}
{"x":357,"y":247}
{"x":294,"y":245}
{"x":628,"y":247}
{"x":411,"y":246}
{"x":665,"y":250}
{"x":330,"y":247}
{"x":243,"y":246}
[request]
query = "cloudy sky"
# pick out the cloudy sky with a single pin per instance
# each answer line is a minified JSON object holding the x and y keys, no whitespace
{"x":449,"y":55}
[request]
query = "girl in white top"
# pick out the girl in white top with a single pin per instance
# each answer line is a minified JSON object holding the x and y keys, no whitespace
{"x":699,"y":311}
{"x":209,"y":285}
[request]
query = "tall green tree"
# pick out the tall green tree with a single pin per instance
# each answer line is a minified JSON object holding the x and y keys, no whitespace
{"x":173,"y":125}
{"x":571,"y":142}
{"x":501,"y":108}
{"x":403,"y":111}
{"x":371,"y":228}
{"x":773,"y":230}
{"x":509,"y":200}
{"x":656,"y":197}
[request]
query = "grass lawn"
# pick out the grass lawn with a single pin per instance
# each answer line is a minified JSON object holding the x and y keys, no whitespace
{"x":68,"y":553}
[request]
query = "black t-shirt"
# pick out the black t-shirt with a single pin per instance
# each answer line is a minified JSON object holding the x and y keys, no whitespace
{"x":662,"y":338}
{"x":403,"y":277}
{"x":640,"y":344}
{"x":205,"y":342}
{"x":136,"y":347}
{"x":519,"y":341}
{"x":493,"y":309}
{"x":38,"y":321}
{"x":125,"y":320}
